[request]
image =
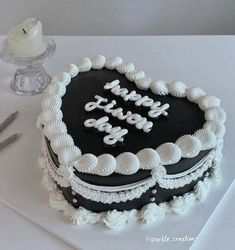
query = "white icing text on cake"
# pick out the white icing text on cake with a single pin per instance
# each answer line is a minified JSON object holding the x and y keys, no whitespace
{"x":155,"y":107}
{"x":115,"y":134}
{"x":132,"y":119}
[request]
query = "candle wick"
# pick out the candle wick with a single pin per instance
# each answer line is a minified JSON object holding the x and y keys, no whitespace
{"x":24,"y":31}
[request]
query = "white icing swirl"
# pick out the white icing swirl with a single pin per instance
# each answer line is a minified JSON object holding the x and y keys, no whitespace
{"x":201,"y":189}
{"x":66,"y":172}
{"x":158,"y":172}
{"x":181,"y":204}
{"x":159,"y":87}
{"x":113,"y":62}
{"x":61,"y":141}
{"x":127,"y":163}
{"x":98,"y":62}
{"x":86,"y":163}
{"x":62,"y":77}
{"x":143,"y":83}
{"x":135,"y":75}
{"x":56,"y":88}
{"x":106,"y":165}
{"x":149,"y":158}
{"x":83,"y":216}
{"x":216,"y":127}
{"x":189,"y":199}
{"x":57,"y":201}
{"x":84,"y":64}
{"x":54,"y":128}
{"x":49,"y":115}
{"x":125,"y":68}
{"x":51,"y":101}
{"x":177,"y":89}
{"x":169,"y":153}
{"x":71,"y":69}
{"x":206,"y":102}
{"x":68,"y":155}
{"x":206,"y":137}
{"x":132,"y":216}
{"x":190,"y":146}
{"x":153,"y":212}
{"x":115,"y":219}
{"x":103,"y":165}
{"x":194,"y":94}
{"x":215,"y":114}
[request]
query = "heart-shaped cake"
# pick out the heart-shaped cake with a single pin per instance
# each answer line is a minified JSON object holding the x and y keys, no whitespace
{"x":120,"y":147}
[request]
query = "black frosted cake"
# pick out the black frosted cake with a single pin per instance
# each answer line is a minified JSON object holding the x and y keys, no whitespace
{"x":119,"y":147}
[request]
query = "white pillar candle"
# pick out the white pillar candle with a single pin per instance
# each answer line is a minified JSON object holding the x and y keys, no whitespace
{"x":26,"y":39}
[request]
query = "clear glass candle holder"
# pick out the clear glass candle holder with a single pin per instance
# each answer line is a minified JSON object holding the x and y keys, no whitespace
{"x":30,"y":77}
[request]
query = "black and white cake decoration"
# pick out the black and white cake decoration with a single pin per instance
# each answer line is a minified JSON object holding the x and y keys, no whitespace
{"x":155,"y":107}
{"x":140,"y":122}
{"x":119,"y":204}
{"x":132,"y":119}
{"x":115,"y":134}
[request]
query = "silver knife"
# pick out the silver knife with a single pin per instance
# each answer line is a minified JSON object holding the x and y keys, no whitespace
{"x":8,"y":141}
{"x":8,"y":121}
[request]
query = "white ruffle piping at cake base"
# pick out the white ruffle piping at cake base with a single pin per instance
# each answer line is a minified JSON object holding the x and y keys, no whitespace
{"x":149,"y":213}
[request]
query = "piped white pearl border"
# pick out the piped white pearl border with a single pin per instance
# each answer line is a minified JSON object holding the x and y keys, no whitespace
{"x":127,"y":163}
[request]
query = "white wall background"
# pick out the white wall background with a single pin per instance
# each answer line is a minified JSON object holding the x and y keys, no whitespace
{"x":123,"y":17}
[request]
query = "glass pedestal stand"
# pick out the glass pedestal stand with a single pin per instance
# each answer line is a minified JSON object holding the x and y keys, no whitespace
{"x":30,"y":78}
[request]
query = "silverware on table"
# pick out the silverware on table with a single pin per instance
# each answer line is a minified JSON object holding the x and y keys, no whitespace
{"x":13,"y":138}
{"x":8,"y":141}
{"x":8,"y":121}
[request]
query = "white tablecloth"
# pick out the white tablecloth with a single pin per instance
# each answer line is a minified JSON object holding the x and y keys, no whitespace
{"x":201,"y":61}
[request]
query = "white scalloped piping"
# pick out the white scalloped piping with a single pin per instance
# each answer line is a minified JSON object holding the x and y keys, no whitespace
{"x":84,"y":189}
{"x":52,"y":112}
{"x":97,"y":195}
{"x":106,"y":194}
{"x":150,"y":213}
{"x":171,"y":183}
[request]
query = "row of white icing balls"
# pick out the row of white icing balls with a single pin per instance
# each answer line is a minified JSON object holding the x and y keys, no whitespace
{"x":168,"y":153}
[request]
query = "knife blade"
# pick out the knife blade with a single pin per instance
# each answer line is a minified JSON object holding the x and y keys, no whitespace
{"x":8,"y":121}
{"x":8,"y":141}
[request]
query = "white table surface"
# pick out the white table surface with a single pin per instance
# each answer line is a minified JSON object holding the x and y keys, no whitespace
{"x":201,"y":61}
{"x":20,"y":233}
{"x":215,"y":234}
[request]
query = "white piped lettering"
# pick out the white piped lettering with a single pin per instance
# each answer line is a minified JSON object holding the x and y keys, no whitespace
{"x":132,"y":119}
{"x":155,"y":107}
{"x":115,"y":134}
